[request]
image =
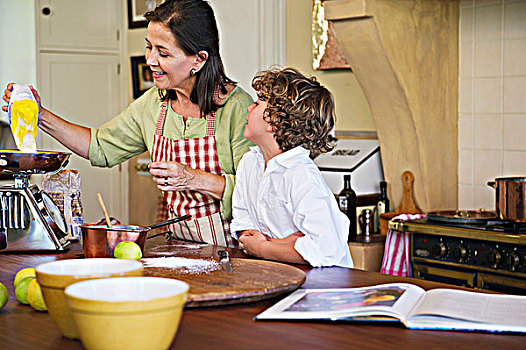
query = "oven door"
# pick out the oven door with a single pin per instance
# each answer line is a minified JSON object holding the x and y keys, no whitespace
{"x":444,"y":275}
{"x":471,"y":279}
{"x":501,"y":283}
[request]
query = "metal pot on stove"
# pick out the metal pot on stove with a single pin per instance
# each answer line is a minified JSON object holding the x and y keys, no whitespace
{"x":510,"y":194}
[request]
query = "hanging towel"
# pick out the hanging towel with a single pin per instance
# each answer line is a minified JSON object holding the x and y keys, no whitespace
{"x":397,"y":248}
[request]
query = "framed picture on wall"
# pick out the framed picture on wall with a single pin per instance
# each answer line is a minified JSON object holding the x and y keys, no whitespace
{"x":136,"y":11}
{"x":326,"y":52}
{"x":142,"y":77}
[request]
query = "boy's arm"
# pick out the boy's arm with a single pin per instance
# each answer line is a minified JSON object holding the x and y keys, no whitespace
{"x":241,"y":219}
{"x":255,"y":243}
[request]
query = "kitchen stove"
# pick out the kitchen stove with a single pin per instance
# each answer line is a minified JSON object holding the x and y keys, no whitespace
{"x":484,"y":254}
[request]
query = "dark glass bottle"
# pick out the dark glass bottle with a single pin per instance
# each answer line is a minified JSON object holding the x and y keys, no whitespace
{"x":382,"y":206}
{"x":347,"y":203}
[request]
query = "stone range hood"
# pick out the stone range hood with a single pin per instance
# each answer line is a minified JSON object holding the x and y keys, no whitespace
{"x":404,"y":55}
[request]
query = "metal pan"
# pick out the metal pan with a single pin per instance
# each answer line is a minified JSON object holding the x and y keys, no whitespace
{"x":41,"y":162}
{"x":462,"y":216}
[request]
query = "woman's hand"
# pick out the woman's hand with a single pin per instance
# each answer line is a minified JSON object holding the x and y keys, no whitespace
{"x":175,"y":176}
{"x":172,"y":176}
{"x":7,"y":97}
{"x":75,"y":137}
{"x":37,"y":97}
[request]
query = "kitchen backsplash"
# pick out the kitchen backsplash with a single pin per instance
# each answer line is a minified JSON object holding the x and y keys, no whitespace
{"x":492,"y":99}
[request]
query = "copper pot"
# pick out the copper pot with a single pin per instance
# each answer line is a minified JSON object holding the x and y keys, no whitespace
{"x":99,"y":240}
{"x":510,"y":194}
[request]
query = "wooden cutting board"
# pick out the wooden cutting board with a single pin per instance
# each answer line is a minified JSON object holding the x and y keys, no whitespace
{"x":407,"y":205}
{"x":251,"y":280}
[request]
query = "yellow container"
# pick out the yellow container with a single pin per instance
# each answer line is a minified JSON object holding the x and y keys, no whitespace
{"x":55,"y":276}
{"x":127,"y":313}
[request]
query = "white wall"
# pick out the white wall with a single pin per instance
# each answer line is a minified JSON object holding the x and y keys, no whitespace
{"x":17,"y":44}
{"x":252,"y":37}
{"x":244,"y":52}
{"x":492,"y":103}
{"x":352,"y":108}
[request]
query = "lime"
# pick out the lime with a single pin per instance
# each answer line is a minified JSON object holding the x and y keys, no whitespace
{"x":27,"y":272}
{"x":35,"y":297}
{"x":21,"y":290}
{"x":3,"y":295}
{"x":127,"y":250}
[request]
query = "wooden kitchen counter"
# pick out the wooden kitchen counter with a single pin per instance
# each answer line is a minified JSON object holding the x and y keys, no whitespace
{"x":232,"y":327}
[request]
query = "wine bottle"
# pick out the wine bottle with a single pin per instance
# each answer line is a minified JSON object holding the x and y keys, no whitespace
{"x":347,"y":203}
{"x":382,"y":206}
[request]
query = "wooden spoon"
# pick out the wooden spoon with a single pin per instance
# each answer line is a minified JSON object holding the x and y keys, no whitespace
{"x":101,"y":202}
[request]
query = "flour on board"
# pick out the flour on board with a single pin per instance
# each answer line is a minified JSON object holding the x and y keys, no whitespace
{"x":183,"y":265}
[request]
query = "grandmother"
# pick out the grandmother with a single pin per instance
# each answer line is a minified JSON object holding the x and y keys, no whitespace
{"x":191,"y":122}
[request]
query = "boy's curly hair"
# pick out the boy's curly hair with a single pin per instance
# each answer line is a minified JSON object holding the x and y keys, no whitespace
{"x":300,"y":109}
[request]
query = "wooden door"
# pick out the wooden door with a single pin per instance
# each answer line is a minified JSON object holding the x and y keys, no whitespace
{"x":145,"y":199}
{"x":79,"y":58}
{"x":85,"y":89}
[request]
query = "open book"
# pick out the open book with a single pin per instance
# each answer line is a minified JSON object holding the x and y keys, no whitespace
{"x":406,"y":303}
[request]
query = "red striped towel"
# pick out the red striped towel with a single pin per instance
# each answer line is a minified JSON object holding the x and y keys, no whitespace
{"x":397,"y":248}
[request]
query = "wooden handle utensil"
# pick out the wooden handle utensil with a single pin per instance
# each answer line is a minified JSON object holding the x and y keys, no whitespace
{"x":407,"y":205}
{"x":101,"y":202}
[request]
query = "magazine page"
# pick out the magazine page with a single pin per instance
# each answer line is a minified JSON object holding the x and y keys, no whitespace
{"x":393,"y":300}
{"x":456,"y":309}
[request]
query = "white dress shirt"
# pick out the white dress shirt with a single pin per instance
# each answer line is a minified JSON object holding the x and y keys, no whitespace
{"x":288,"y":196}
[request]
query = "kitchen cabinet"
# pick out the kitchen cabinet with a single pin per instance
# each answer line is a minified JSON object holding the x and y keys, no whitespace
{"x":367,"y":252}
{"x":83,"y":89}
{"x":79,"y":25}
{"x":79,"y":60}
{"x":145,"y":198}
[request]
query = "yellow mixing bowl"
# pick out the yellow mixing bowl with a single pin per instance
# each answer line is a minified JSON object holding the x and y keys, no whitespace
{"x":127,"y":313}
{"x":55,"y":276}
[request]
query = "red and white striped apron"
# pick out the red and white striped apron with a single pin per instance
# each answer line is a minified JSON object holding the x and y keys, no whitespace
{"x":198,"y":153}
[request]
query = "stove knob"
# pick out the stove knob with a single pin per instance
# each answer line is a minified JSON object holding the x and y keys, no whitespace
{"x":439,"y":250}
{"x":479,"y":258}
{"x":494,"y":258}
{"x":512,"y":261}
{"x":459,"y":252}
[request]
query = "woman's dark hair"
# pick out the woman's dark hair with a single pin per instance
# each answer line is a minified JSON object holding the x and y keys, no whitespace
{"x":300,"y":109}
{"x":193,"y":24}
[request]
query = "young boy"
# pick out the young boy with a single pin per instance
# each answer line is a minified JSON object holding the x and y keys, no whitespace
{"x":282,"y":208}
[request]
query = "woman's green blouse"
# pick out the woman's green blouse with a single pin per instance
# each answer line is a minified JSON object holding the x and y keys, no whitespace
{"x":132,"y":132}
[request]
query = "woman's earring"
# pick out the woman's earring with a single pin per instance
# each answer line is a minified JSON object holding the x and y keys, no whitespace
{"x":193,"y":72}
